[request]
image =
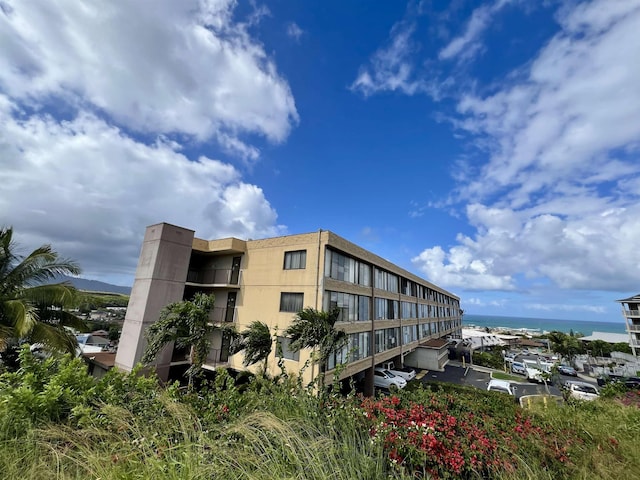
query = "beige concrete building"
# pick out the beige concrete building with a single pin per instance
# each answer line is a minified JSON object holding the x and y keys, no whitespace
{"x":631,"y":314}
{"x":386,"y":311}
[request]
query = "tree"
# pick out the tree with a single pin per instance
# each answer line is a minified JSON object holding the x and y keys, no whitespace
{"x":256,"y":343}
{"x":30,"y":308}
{"x":187,"y":324}
{"x":621,"y":347}
{"x":600,"y":348}
{"x":312,"y":328}
{"x":566,"y":345}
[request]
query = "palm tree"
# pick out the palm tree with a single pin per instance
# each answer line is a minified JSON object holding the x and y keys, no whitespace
{"x":187,"y":324}
{"x":312,"y":328}
{"x":257,"y":344}
{"x":31,"y":309}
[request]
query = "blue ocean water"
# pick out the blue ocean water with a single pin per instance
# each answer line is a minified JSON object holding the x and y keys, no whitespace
{"x":543,"y":324}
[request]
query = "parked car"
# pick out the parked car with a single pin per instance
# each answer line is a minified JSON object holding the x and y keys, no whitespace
{"x":629,"y":382}
{"x":385,"y":379}
{"x":407,"y":373}
{"x":632,"y":383}
{"x":567,"y":370}
{"x":581,"y":390}
{"x":534,"y":374}
{"x":518,"y":367}
{"x":502,"y":386}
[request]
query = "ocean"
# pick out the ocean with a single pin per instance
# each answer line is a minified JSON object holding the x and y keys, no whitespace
{"x":543,"y":324}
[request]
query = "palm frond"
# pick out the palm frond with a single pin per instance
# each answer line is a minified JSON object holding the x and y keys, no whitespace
{"x":22,"y":315}
{"x":257,"y":343}
{"x":54,"y":337}
{"x":59,"y":294}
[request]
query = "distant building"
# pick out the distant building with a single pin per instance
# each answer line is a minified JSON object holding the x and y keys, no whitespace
{"x":385,"y":310}
{"x":478,"y":340}
{"x":631,"y":314}
{"x":606,"y":337}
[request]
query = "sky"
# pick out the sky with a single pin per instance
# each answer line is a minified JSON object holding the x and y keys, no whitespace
{"x":492,"y":148}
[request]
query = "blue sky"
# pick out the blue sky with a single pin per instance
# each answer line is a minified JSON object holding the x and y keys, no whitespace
{"x":489,"y":147}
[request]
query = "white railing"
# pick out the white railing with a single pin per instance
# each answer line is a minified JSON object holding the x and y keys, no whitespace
{"x":633,"y":328}
{"x":631,"y":313}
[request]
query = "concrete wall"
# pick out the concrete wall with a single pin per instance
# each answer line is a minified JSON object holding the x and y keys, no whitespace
{"x":262,"y":281}
{"x":160,"y":277}
{"x":426,"y":359}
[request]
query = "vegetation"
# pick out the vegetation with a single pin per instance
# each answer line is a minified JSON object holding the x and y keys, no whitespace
{"x":256,"y":343}
{"x":315,"y":329}
{"x":56,"y":421}
{"x":491,"y":358}
{"x":85,"y":302}
{"x":187,"y":325}
{"x":31,"y":308}
{"x":568,"y":346}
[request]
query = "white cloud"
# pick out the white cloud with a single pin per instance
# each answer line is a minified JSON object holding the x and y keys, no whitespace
{"x":568,"y":113}
{"x":391,"y":68}
{"x":294,"y":31}
{"x":477,"y":302}
{"x":96,"y":105}
{"x":90,"y":190}
{"x":153,"y":66}
{"x":558,"y":198}
{"x":459,"y":268}
{"x":467,"y":45}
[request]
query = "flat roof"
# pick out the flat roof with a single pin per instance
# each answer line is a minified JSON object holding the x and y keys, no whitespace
{"x":607,"y":337}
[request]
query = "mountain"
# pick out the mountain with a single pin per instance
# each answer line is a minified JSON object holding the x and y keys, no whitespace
{"x":94,"y":285}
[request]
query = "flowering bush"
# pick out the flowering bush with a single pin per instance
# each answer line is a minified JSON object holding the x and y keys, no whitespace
{"x":631,"y":398}
{"x":434,"y":437}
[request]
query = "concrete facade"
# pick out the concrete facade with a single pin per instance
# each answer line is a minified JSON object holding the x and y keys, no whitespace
{"x":386,"y":310}
{"x":631,"y":314}
{"x":160,"y":279}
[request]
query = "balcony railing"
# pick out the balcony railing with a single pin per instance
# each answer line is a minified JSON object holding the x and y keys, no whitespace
{"x":631,"y":313}
{"x":219,"y":276}
{"x":223,"y":315}
{"x":633,"y":328}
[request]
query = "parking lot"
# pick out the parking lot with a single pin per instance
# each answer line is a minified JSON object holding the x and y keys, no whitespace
{"x":480,"y":379}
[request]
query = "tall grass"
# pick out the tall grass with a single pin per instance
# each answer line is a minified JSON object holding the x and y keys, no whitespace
{"x":58,"y":423}
{"x":259,"y":446}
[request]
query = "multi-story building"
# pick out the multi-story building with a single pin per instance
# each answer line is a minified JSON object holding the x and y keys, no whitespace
{"x":386,"y":311}
{"x":631,"y":314}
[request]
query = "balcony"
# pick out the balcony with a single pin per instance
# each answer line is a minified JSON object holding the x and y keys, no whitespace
{"x":221,"y":277}
{"x":633,"y":328}
{"x":223,"y":315}
{"x":218,"y":357}
{"x":631,"y":313}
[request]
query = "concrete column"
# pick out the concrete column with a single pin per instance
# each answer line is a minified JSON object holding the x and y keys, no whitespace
{"x":160,"y":278}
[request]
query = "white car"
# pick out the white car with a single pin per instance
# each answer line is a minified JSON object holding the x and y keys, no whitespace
{"x":502,"y":386}
{"x":518,"y":367}
{"x":385,"y":379}
{"x":582,"y":390}
{"x":407,"y":373}
{"x":534,"y":374}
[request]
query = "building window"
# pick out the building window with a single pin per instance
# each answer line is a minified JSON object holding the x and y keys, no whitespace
{"x":284,"y":350}
{"x":386,"y":339}
{"x":357,"y":348}
{"x":295,"y":260}
{"x":291,"y":302}
{"x":353,"y":308}
{"x":347,"y":269}
{"x":386,"y":281}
